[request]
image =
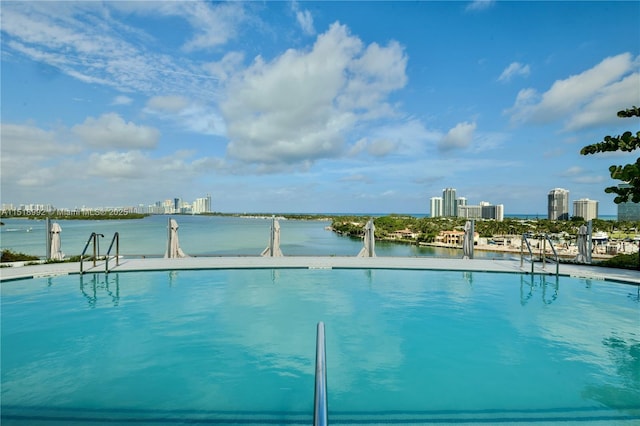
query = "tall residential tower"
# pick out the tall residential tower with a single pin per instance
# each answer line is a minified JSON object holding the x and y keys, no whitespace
{"x":585,"y":208}
{"x":558,"y":206}
{"x":449,"y":207}
{"x":435,"y":206}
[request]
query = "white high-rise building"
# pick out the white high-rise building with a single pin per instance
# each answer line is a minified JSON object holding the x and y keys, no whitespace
{"x":435,"y":206}
{"x":585,"y":208}
{"x":202,"y":205}
{"x":483,"y":211}
{"x":493,"y":212}
{"x":558,"y":206}
{"x":470,"y":212}
{"x":460,"y":201}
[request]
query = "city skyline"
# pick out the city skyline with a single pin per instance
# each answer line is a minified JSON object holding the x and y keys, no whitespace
{"x":350,"y":107}
{"x":166,"y":206}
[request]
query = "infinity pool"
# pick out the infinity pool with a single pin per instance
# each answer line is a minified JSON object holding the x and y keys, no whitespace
{"x":238,"y":346}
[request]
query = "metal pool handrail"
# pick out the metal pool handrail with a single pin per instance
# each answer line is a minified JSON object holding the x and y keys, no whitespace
{"x":116,"y":239}
{"x":93,"y":237}
{"x":555,"y":253}
{"x":525,"y":240}
{"x":320,"y":410}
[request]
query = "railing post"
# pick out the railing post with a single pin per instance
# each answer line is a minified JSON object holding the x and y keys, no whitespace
{"x":95,"y":238}
{"x":115,"y":239}
{"x":47,"y":239}
{"x":320,"y":409}
{"x":522,"y":251}
{"x":92,"y":238}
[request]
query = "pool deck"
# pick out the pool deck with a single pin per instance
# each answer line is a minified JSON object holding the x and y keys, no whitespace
{"x":19,"y":271}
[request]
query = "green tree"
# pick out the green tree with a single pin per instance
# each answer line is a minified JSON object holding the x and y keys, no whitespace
{"x":629,"y":173}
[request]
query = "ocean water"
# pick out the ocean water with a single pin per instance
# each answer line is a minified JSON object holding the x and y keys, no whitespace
{"x":204,"y":236}
{"x":238,"y":346}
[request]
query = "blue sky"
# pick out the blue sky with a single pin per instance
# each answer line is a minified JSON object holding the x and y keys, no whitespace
{"x":314,"y":106}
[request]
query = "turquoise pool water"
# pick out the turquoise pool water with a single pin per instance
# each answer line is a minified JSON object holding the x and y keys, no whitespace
{"x":238,"y":346}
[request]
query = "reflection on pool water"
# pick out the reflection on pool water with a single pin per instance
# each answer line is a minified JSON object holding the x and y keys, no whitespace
{"x":239,"y":346}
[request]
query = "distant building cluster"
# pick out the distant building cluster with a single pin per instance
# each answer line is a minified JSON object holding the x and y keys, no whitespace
{"x":178,"y":206}
{"x":451,"y":206}
{"x":558,"y":206}
{"x":170,"y":206}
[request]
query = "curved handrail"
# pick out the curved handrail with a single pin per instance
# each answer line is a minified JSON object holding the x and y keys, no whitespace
{"x":320,"y":409}
{"x":555,"y":253}
{"x":116,"y":239}
{"x":96,"y":244}
{"x":525,"y":240}
{"x":86,"y":246}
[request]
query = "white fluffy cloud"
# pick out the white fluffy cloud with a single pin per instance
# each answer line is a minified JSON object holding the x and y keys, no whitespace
{"x":52,"y":158}
{"x":299,"y":107}
{"x":111,"y":131}
{"x":458,"y":137}
{"x":27,"y":144}
{"x":583,"y":100}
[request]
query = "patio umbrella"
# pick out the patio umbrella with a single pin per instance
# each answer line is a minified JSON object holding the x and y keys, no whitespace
{"x":56,"y":245}
{"x":369,"y":240}
{"x":583,"y":236}
{"x":467,"y":243}
{"x":273,"y":249}
{"x":173,"y":244}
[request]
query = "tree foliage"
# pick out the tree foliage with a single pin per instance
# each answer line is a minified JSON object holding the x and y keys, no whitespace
{"x":628,"y":173}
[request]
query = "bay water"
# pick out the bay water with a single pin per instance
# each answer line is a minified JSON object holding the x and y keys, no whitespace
{"x":205,"y":236}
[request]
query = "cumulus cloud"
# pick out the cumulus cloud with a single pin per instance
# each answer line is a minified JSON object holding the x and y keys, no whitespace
{"x":53,"y":156}
{"x":602,"y":109}
{"x":111,"y":131}
{"x":458,"y":137}
{"x":299,"y":107}
{"x":583,"y":100}
{"x":27,"y":144}
{"x":131,"y":164}
{"x":514,"y":69}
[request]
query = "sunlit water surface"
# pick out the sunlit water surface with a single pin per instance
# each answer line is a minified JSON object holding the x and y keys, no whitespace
{"x":235,"y":343}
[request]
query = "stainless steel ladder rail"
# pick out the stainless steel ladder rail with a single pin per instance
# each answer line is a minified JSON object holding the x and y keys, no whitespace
{"x":116,"y":240}
{"x":96,"y":250}
{"x":555,"y":253}
{"x":525,"y":241}
{"x":320,"y":408}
